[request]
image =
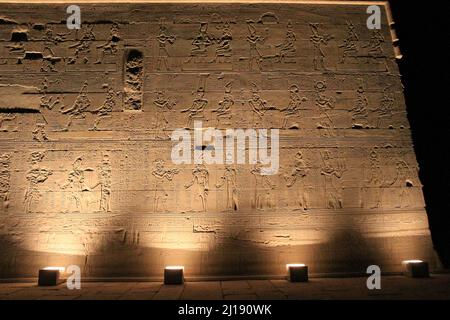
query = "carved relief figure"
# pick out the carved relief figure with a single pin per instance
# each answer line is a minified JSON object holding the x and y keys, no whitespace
{"x":196,"y":111}
{"x":76,"y":184}
{"x":50,"y":40}
{"x":110,"y":46}
{"x":385,"y":111}
{"x":297,"y":177}
{"x":162,"y":175}
{"x":105,"y":110}
{"x":375,"y":45}
{"x":39,"y":133}
{"x":47,"y":102}
{"x":324,"y":104}
{"x":201,"y":181}
{"x":350,"y":47}
{"x":318,"y":40}
{"x":224,"y":110}
{"x":163,"y":106}
{"x":255,"y":56}
{"x":83,"y":46}
{"x":360,"y":111}
{"x":258,"y":106}
{"x":287,"y":49}
{"x":228,"y":179}
{"x":104,"y":182}
{"x":79,"y":107}
{"x":5,"y":180}
{"x":134,"y":81}
{"x":262,"y":198}
{"x":372,"y":192}
{"x":36,"y":176}
{"x":403,"y":182}
{"x":332,"y":171}
{"x":293,"y":108}
{"x":200,"y":44}
{"x":163,"y":39}
{"x":223,"y":49}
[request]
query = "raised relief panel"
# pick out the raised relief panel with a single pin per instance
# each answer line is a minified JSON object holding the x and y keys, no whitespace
{"x":86,"y":120}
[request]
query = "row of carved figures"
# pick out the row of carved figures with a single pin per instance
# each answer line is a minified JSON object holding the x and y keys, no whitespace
{"x":332,"y":170}
{"x":259,"y":52}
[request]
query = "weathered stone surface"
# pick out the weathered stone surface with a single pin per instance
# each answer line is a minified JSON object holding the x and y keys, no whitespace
{"x":85,"y":154}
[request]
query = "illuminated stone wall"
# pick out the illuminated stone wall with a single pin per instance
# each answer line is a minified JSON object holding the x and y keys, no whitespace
{"x":85,"y":150}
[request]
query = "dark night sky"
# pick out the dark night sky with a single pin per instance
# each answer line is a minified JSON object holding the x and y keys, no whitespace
{"x":423,"y":30}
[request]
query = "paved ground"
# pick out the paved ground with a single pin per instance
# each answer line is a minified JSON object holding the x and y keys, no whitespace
{"x":393,"y":287}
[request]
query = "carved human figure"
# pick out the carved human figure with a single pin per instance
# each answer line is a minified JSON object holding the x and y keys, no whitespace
{"x":50,"y":39}
{"x":228,"y":179}
{"x":39,"y":133}
{"x":332,"y":171}
{"x":259,"y":107}
{"x":197,"y":109}
{"x":375,"y":45}
{"x":200,"y":179}
{"x":255,"y":56}
{"x":5,"y":180}
{"x":105,"y":184}
{"x":46,"y":101}
{"x":164,"y":39}
{"x":163,"y":106}
{"x":385,"y":111}
{"x":76,"y":184}
{"x":223,"y":49}
{"x":262,"y":198}
{"x":110,"y":46}
{"x":403,"y":182}
{"x":349,"y":45}
{"x":293,"y":108}
{"x":224,"y":110}
{"x":83,"y":46}
{"x":200,"y":44}
{"x":162,"y":175}
{"x":105,"y":110}
{"x":287,"y":49}
{"x":79,"y":107}
{"x":318,"y":40}
{"x":372,"y":191}
{"x":297,"y":177}
{"x":36,"y":176}
{"x":324,"y":104}
{"x":360,"y":111}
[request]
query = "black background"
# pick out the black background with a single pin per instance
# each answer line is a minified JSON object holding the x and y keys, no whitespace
{"x":423,"y":30}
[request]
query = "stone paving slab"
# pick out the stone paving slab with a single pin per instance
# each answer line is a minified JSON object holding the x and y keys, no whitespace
{"x":393,"y":287}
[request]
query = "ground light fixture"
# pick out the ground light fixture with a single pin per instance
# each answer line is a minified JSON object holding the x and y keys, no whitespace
{"x":173,"y":275}
{"x":50,"y":276}
{"x":416,"y":268}
{"x":297,"y":272}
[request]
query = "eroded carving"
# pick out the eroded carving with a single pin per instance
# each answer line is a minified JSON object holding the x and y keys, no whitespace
{"x":36,"y":176}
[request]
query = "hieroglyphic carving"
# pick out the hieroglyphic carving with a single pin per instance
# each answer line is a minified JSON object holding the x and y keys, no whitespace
{"x":83,"y":46}
{"x":350,"y":46}
{"x":39,"y":133}
{"x":403,"y":182}
{"x":46,"y":101}
{"x":332,"y":171}
{"x":110,"y":46}
{"x":324,"y":105}
{"x":161,"y":174}
{"x":200,"y":44}
{"x":371,"y":194}
{"x":163,"y":106}
{"x":200,"y":178}
{"x":297,"y":177}
{"x":6,"y":117}
{"x":36,"y":176}
{"x":223,"y":51}
{"x":360,"y":111}
{"x":255,"y":56}
{"x":385,"y":110}
{"x":163,"y":38}
{"x":105,"y":110}
{"x":105,"y":184}
{"x":76,"y":184}
{"x":5,"y":180}
{"x":50,"y":40}
{"x":134,"y":81}
{"x":224,"y":111}
{"x":287,"y":49}
{"x":79,"y":107}
{"x":318,"y":40}
{"x":259,"y":107}
{"x":228,"y":179}
{"x":293,"y":108}
{"x":263,"y":190}
{"x":196,"y":110}
{"x":375,"y":45}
